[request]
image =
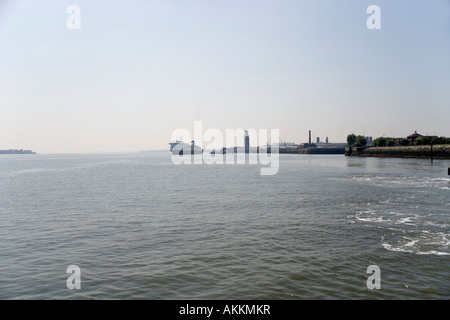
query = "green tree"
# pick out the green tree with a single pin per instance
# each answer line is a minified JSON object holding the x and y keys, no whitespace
{"x":426,"y":140}
{"x":351,"y":139}
{"x":380,"y":142}
{"x":442,"y":140}
{"x":390,"y":142}
{"x":360,"y":141}
{"x":404,"y":142}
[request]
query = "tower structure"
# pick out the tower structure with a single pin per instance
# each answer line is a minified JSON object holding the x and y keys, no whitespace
{"x":246,"y":142}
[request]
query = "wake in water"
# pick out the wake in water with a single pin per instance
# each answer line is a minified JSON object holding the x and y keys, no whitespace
{"x":422,"y":243}
{"x":410,"y":222}
{"x":408,"y":181}
{"x":407,"y":232}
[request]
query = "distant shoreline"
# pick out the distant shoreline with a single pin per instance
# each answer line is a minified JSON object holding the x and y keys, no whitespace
{"x":17,"y":151}
{"x":419,"y":152}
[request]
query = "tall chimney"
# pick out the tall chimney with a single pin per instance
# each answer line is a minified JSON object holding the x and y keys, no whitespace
{"x":246,"y":142}
{"x":309,"y":137}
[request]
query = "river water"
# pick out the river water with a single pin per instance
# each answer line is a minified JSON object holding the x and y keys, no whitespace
{"x":140,"y":227}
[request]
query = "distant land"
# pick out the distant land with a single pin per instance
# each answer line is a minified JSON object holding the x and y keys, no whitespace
{"x":17,"y":151}
{"x":413,"y":146}
{"x":425,"y":152}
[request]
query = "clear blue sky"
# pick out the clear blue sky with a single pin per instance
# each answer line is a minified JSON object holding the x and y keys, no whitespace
{"x":138,"y":70}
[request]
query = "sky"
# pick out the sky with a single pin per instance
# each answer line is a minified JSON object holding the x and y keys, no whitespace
{"x":135,"y":71}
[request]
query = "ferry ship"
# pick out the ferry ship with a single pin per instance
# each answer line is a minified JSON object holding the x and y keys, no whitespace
{"x":179,"y":148}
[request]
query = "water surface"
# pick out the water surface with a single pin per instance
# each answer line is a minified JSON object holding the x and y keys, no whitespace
{"x":140,"y":227}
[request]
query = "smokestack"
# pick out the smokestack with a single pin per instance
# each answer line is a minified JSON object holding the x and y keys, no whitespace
{"x":309,"y":137}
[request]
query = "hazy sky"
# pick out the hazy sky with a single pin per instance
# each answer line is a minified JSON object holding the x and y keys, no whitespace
{"x":137,"y":70}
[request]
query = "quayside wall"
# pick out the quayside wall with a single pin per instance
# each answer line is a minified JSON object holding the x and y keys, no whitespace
{"x":322,"y":151}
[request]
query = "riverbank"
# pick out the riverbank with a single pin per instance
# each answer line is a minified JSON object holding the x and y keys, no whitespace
{"x":426,"y":152}
{"x":17,"y":151}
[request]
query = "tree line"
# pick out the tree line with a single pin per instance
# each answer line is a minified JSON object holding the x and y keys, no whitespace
{"x":361,"y":141}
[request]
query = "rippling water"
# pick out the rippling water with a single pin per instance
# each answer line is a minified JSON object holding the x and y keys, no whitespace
{"x":140,"y":227}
